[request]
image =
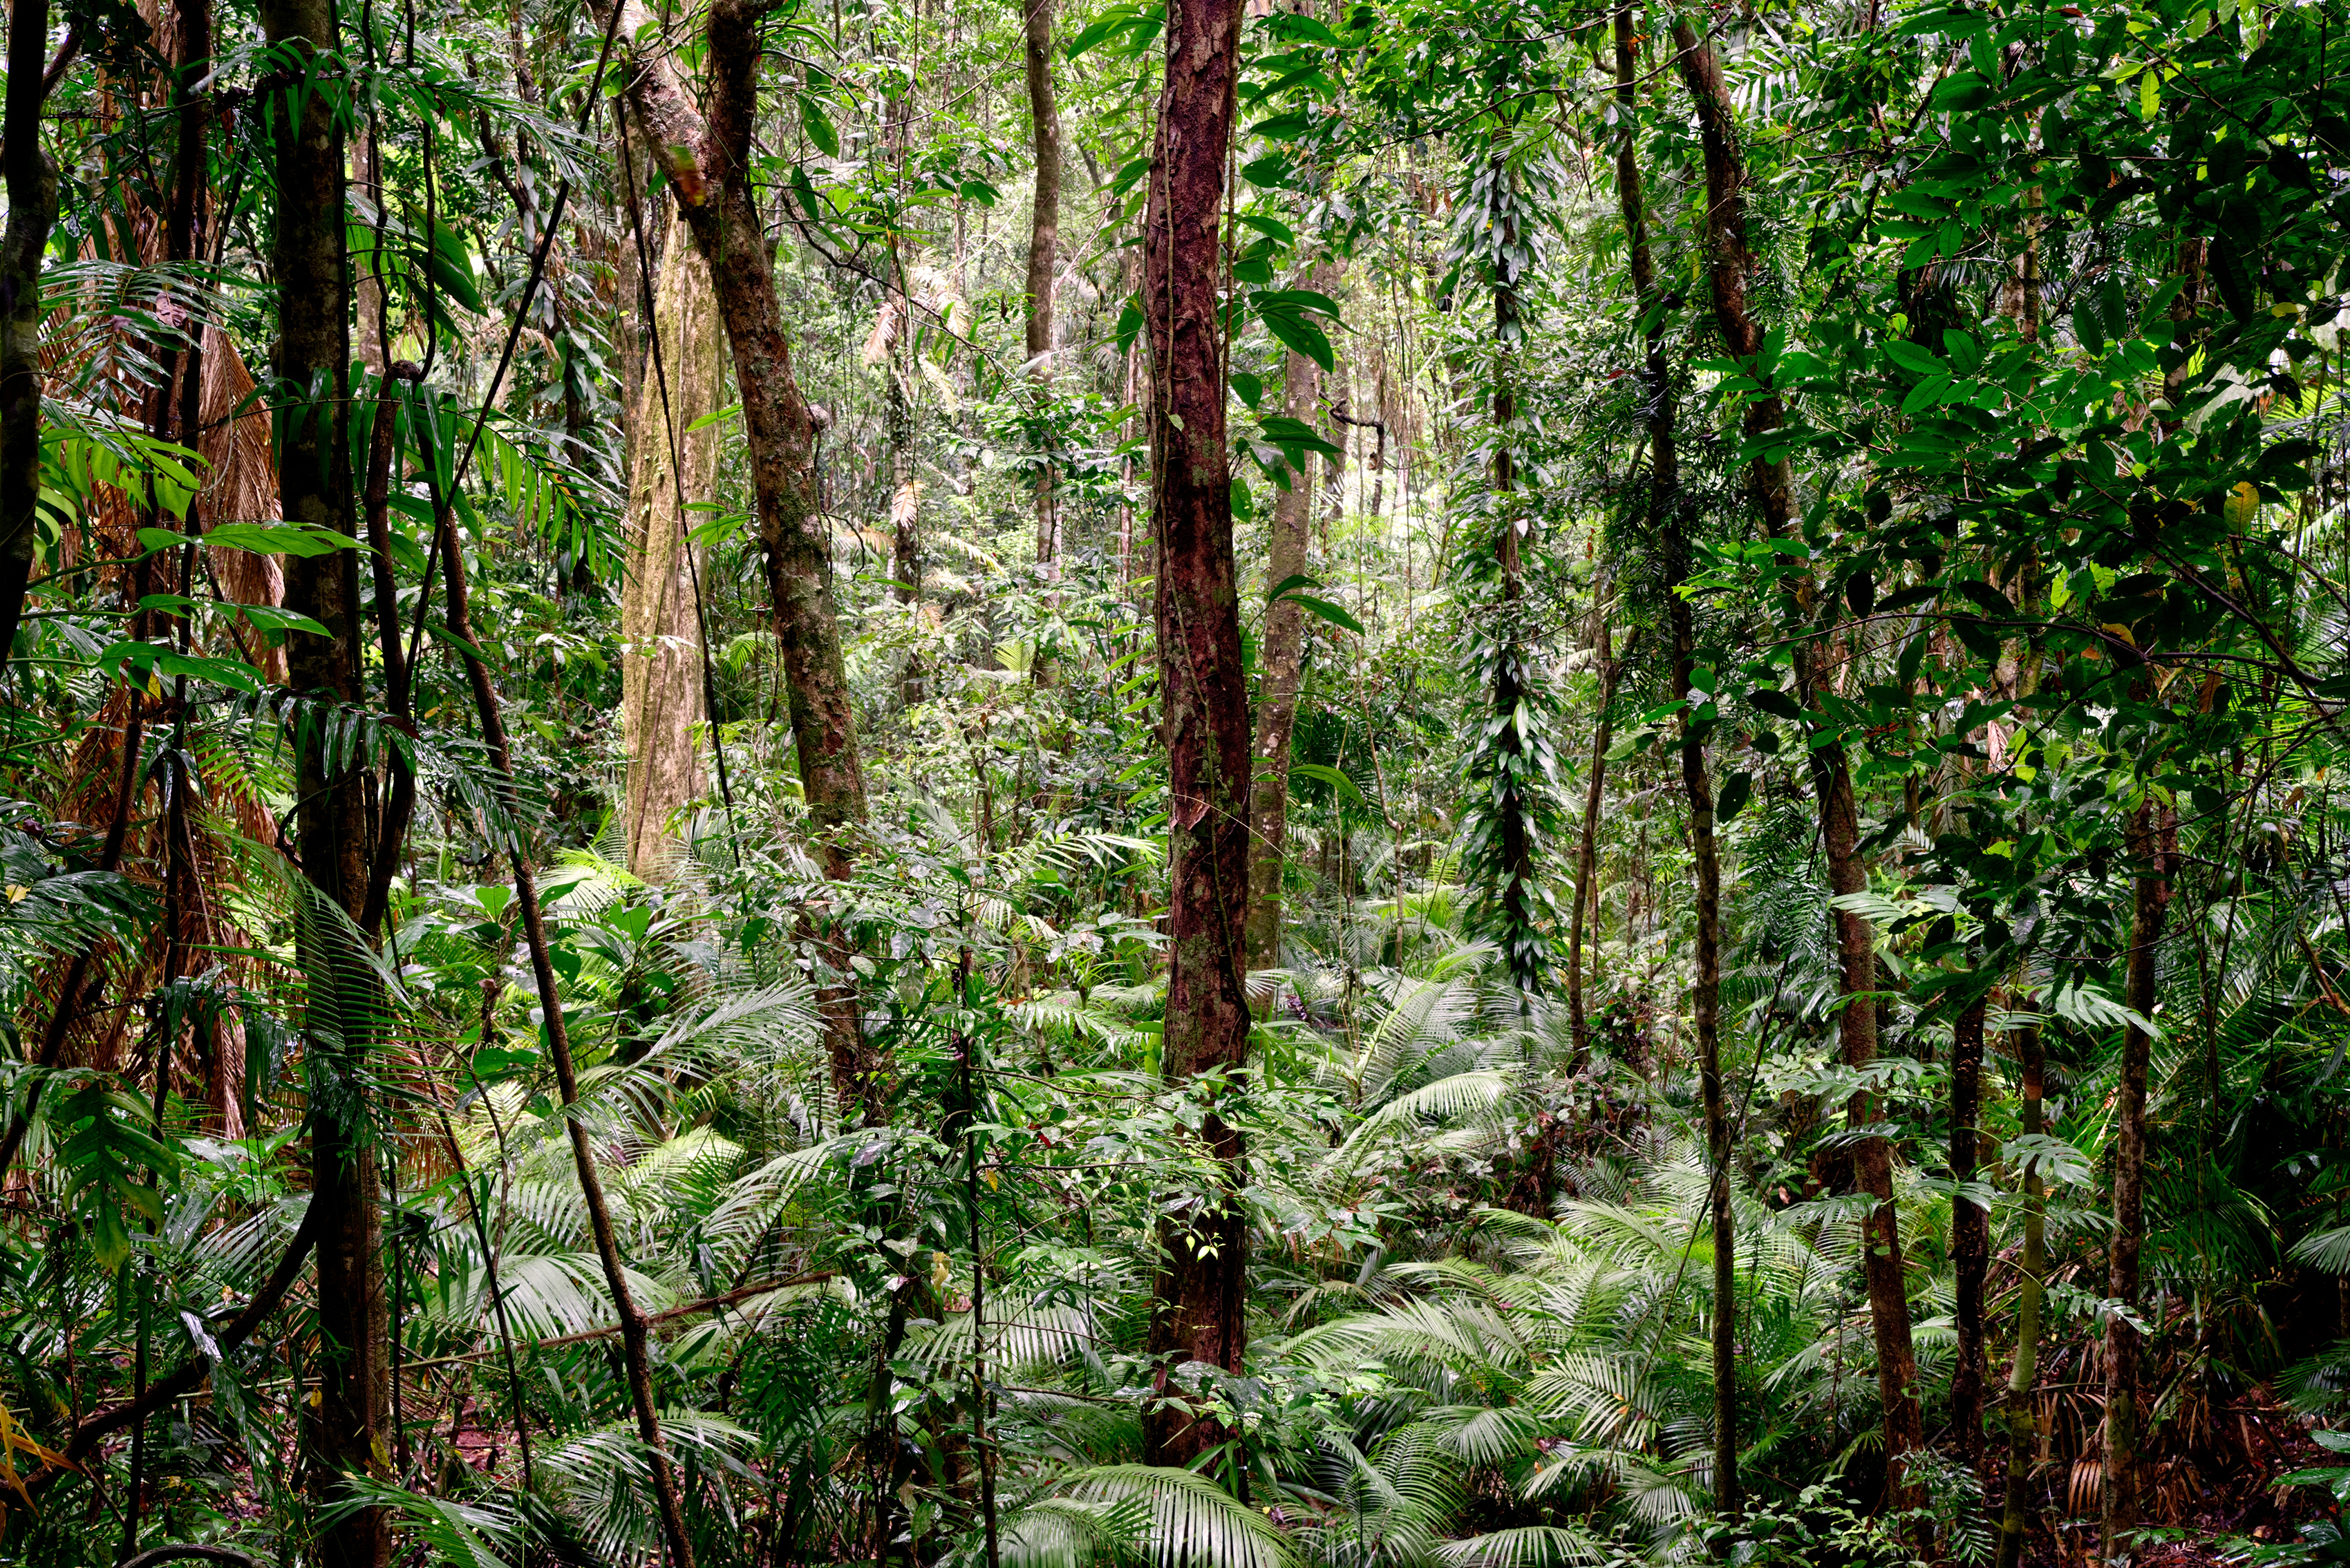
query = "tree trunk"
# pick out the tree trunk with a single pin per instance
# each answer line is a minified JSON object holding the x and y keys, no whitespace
{"x":1197,"y":1304}
{"x":32,"y":178}
{"x":635,"y":1328}
{"x":709,"y":164}
{"x":1587,"y":854}
{"x":1281,"y":657}
{"x":1729,"y":263}
{"x":676,"y":467}
{"x":1043,"y":248}
{"x":331,"y":818}
{"x":2020,"y":1427}
{"x":2149,"y":851}
{"x":1667,"y":517}
{"x":1969,"y":1231}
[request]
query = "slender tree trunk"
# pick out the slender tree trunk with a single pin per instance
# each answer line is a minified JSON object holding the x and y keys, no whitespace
{"x":1587,"y":854}
{"x":1044,"y":247}
{"x":1969,"y":1231}
{"x":32,"y":180}
{"x":1198,"y":1307}
{"x":1281,"y":656}
{"x":676,"y":467}
{"x":1667,"y":517}
{"x":708,"y":161}
{"x":2020,"y":1427}
{"x":1729,"y":261}
{"x":2149,"y":851}
{"x":312,"y":371}
{"x":635,"y":1328}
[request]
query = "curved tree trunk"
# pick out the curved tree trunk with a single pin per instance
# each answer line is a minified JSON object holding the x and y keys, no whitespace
{"x":675,"y":467}
{"x":1198,"y":1308}
{"x":1729,"y":263}
{"x":708,"y":161}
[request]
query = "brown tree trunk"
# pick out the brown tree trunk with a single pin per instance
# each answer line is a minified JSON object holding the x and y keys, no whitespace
{"x":1729,"y":261}
{"x":1044,"y":247}
{"x":708,"y":161}
{"x":1197,"y":1309}
{"x":1586,"y":853}
{"x":331,"y":816}
{"x":2150,"y":845}
{"x":1281,"y":656}
{"x":676,"y":467}
{"x":32,"y":180}
{"x":635,"y":1327}
{"x":1969,"y":1231}
{"x":2020,"y":1427}
{"x":1667,"y":517}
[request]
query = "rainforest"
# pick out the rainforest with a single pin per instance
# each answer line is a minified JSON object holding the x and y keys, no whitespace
{"x":1174,"y":784}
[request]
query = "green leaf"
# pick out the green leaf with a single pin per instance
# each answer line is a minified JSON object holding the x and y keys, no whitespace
{"x":820,"y":133}
{"x":1735,"y":793}
{"x":1321,"y":773}
{"x":2087,"y":328}
{"x":1914,"y":359}
{"x":1329,"y":612}
{"x":1289,"y":583}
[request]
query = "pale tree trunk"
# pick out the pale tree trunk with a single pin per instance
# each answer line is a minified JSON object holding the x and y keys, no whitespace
{"x":676,"y":466}
{"x":1281,"y":657}
{"x":1044,"y":247}
{"x":1199,"y":1310}
{"x":1969,"y":1231}
{"x":1729,"y":261}
{"x":1586,"y":852}
{"x":1669,"y":519}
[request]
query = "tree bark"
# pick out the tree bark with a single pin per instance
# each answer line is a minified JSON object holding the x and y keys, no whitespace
{"x":1198,"y":1303}
{"x":2020,"y":1427}
{"x":1587,"y":854}
{"x":635,"y":1328}
{"x":1729,"y":261}
{"x":312,"y":373}
{"x":1044,"y":247}
{"x":32,"y":180}
{"x":1667,"y":517}
{"x":2149,"y":851}
{"x":1281,"y":657}
{"x":1969,"y":1231}
{"x":675,"y":467}
{"x":708,"y":161}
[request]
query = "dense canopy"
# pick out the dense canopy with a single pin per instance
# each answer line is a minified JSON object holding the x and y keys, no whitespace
{"x":1375,"y":783}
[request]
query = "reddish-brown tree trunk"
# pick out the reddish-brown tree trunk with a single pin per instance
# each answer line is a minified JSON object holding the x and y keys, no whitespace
{"x":1198,"y":1305}
{"x":331,"y":818}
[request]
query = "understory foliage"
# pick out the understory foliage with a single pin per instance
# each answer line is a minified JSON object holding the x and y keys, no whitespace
{"x":2048,"y":304}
